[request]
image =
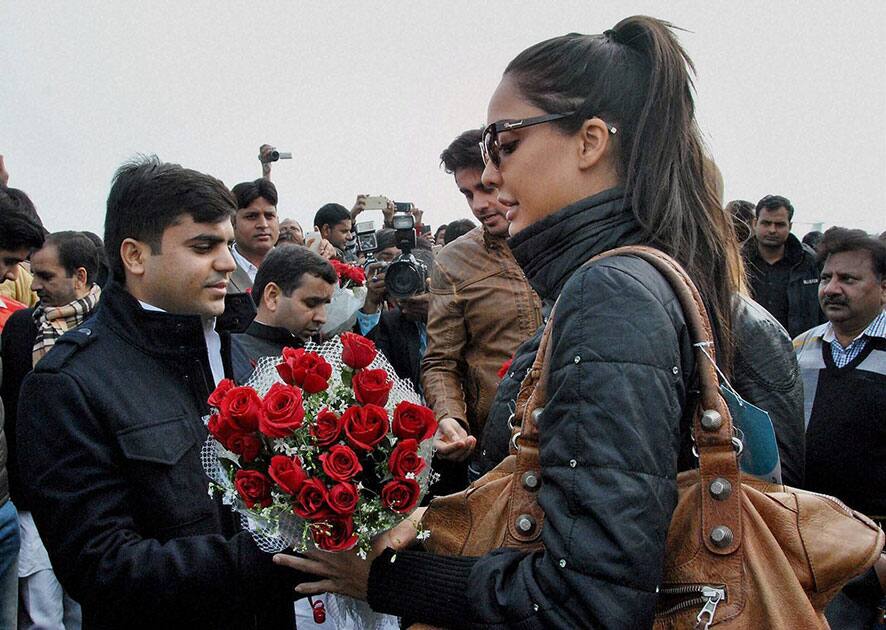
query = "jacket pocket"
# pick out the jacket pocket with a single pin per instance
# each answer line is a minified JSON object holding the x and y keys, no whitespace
{"x":162,"y":443}
{"x":169,"y":488}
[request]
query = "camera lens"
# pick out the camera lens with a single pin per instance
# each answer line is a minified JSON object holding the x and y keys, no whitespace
{"x":403,"y":279}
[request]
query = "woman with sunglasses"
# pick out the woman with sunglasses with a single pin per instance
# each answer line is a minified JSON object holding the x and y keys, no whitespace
{"x":592,"y":145}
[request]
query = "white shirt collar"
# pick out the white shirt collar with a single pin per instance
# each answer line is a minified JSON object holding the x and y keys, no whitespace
{"x":212,"y":339}
{"x":244,"y":263}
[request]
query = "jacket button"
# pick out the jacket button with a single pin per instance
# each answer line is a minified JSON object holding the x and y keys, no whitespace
{"x":711,"y":420}
{"x":572,"y":463}
{"x":530,"y":480}
{"x":676,"y":370}
{"x":525,"y":524}
{"x":721,"y":536}
{"x":577,"y":359}
{"x":720,"y":488}
{"x":536,"y":414}
{"x":535,"y":607}
{"x":562,"y":563}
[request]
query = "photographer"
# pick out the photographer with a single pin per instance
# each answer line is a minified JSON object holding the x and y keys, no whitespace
{"x":398,"y":326}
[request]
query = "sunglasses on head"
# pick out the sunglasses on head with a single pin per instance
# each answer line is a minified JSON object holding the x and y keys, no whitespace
{"x":490,"y":148}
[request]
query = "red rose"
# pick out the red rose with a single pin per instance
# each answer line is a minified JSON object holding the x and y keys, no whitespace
{"x":405,"y":459}
{"x":220,"y":428}
{"x":288,"y":473}
{"x":308,"y":370}
{"x":343,"y":498}
{"x":400,"y":495}
{"x":327,"y":429}
{"x":340,"y":463}
{"x":357,"y":351}
{"x":284,"y":412}
{"x":371,"y":387}
{"x":242,"y":406}
{"x":503,"y":370}
{"x":216,"y":397}
{"x":310,"y":503}
{"x":246,"y":445}
{"x":365,"y":426}
{"x":356,"y":274}
{"x":335,"y":534}
{"x":254,"y":487}
{"x":413,"y":421}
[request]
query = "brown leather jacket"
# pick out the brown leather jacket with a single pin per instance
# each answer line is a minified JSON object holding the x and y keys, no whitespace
{"x":481,"y":309}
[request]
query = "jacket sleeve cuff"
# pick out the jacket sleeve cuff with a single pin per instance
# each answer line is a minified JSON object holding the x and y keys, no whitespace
{"x":420,"y":587}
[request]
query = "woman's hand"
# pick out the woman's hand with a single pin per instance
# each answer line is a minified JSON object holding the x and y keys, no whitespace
{"x":345,"y":572}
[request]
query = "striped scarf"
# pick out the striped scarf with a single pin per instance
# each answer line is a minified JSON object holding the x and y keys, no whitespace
{"x":54,"y":321}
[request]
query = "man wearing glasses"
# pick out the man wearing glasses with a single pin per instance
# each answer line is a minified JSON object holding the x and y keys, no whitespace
{"x":481,"y":309}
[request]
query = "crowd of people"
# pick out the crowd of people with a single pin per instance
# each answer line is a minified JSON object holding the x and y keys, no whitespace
{"x":111,"y":347}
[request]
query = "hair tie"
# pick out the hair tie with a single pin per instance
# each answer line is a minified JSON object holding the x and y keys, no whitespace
{"x":611,"y":35}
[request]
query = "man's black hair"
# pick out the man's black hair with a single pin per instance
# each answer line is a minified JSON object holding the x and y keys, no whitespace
{"x":147,"y":196}
{"x":331,"y":214}
{"x":20,"y":226}
{"x":386,"y":237}
{"x":285,"y":266}
{"x":457,"y":228}
{"x":463,"y":152}
{"x":839,"y":239}
{"x":774,"y":202}
{"x":247,"y":192}
{"x":812,"y":239}
{"x":104,"y":272}
{"x":75,"y":250}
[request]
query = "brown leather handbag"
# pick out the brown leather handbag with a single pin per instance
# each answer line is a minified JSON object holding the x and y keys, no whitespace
{"x":740,"y":553}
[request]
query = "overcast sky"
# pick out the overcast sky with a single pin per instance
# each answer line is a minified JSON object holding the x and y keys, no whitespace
{"x":791,"y":95}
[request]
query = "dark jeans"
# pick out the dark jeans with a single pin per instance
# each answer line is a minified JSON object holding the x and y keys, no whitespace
{"x":9,"y":546}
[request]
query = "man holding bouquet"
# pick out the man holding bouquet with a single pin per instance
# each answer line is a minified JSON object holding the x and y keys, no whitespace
{"x":110,"y":425}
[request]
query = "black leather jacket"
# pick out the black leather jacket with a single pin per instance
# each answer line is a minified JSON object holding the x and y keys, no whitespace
{"x":765,"y":373}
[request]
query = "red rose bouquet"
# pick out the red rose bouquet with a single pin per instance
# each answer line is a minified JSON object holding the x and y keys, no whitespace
{"x":323,"y":446}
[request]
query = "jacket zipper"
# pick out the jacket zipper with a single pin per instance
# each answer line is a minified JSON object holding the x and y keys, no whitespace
{"x":706,"y":596}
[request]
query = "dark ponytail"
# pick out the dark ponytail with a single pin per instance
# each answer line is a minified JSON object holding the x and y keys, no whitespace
{"x":637,"y":77}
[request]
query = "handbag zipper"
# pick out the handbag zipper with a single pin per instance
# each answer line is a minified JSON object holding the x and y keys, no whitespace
{"x":706,"y":596}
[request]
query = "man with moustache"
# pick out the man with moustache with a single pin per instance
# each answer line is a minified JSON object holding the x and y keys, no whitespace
{"x":481,"y":309}
{"x":843,"y":365}
{"x":255,"y":230}
{"x":111,"y":425}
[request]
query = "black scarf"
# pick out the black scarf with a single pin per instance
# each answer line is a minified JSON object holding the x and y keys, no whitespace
{"x":551,"y":250}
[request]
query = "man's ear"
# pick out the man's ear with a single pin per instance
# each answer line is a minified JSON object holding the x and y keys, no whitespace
{"x":134,"y":255}
{"x":80,"y":278}
{"x":271,"y":296}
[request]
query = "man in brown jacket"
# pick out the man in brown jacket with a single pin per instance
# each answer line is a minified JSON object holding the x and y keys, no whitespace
{"x":481,"y":309}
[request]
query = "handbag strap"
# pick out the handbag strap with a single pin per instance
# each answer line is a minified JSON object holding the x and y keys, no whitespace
{"x":712,"y":429}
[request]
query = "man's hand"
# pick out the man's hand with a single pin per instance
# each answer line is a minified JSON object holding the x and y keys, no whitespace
{"x":388,"y":213}
{"x":417,"y":215}
{"x":359,"y":206}
{"x":415,"y":307}
{"x":321,"y":246}
{"x":4,"y":174}
{"x":375,"y":288}
{"x":452,"y":442}
{"x":264,"y":156}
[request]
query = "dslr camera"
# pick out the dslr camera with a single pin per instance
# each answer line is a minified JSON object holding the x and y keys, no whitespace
{"x":406,"y":276}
